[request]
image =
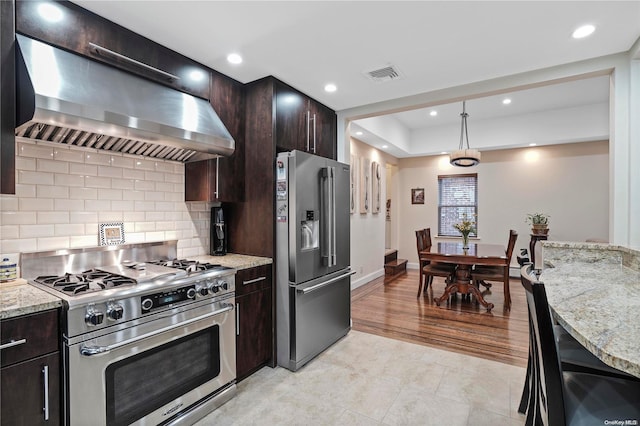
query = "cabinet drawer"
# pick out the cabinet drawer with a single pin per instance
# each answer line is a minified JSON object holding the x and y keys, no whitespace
{"x":252,"y":279}
{"x":28,"y":336}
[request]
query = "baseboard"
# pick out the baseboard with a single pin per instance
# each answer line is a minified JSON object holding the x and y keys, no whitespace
{"x":366,"y":279}
{"x":411,"y":265}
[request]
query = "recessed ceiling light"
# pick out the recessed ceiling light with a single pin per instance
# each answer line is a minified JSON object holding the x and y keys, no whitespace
{"x":234,"y":58}
{"x":506,"y":101}
{"x":330,"y":88}
{"x":385,"y":146}
{"x":359,"y":133}
{"x":584,"y":31}
{"x":196,"y":75}
{"x":533,"y":144}
{"x":50,"y":12}
{"x":433,"y":113}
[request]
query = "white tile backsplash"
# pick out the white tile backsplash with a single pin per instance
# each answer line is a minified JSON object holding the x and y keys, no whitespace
{"x":64,"y":193}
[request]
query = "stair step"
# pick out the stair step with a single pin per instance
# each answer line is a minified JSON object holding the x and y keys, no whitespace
{"x":395,"y":267}
{"x":390,"y":255}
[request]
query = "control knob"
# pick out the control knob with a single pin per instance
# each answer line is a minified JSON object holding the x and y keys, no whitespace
{"x":147,"y":304}
{"x":203,"y":290}
{"x":223,"y":284}
{"x":93,"y":317}
{"x":191,"y":293}
{"x":114,"y":311}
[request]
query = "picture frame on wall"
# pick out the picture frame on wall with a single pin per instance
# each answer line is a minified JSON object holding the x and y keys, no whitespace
{"x":365,"y":185}
{"x":417,"y":196}
{"x":111,"y":233}
{"x":353,"y":183}
{"x":376,"y":178}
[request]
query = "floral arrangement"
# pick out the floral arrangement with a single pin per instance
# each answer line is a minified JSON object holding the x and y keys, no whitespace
{"x":466,"y":226}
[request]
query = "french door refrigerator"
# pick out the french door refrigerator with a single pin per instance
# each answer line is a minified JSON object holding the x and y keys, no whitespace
{"x":313,"y":279}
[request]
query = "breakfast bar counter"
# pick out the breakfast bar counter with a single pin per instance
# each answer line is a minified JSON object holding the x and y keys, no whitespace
{"x":594,"y":293}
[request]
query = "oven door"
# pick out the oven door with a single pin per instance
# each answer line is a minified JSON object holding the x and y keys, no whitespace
{"x":149,"y":373}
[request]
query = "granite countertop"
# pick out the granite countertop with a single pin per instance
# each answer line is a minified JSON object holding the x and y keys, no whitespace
{"x":236,"y":261}
{"x":597,"y":300}
{"x":25,"y":299}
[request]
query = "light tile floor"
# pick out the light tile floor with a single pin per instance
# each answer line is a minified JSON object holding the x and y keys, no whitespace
{"x":369,"y":380}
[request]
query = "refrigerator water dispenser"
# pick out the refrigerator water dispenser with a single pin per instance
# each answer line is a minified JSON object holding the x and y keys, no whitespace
{"x":309,"y":232}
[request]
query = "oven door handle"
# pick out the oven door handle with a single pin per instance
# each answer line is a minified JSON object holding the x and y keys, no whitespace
{"x":101,"y":350}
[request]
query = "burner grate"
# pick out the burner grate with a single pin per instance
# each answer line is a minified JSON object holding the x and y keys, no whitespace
{"x":88,"y":281}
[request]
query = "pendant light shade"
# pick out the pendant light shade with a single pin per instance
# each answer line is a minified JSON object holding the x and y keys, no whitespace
{"x":464,"y":156}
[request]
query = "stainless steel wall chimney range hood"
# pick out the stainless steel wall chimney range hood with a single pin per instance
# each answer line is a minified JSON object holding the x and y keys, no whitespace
{"x":69,"y":99}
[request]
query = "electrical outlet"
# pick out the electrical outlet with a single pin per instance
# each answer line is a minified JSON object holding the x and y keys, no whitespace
{"x":361,"y":270}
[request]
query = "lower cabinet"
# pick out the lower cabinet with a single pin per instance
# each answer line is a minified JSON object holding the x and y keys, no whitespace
{"x":30,"y":391}
{"x":254,"y":340}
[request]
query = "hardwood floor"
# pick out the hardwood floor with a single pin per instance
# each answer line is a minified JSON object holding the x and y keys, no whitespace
{"x":460,"y":325}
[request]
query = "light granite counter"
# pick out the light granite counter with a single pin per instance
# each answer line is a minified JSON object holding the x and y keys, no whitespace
{"x":236,"y":261}
{"x":594,"y":293}
{"x":25,"y":299}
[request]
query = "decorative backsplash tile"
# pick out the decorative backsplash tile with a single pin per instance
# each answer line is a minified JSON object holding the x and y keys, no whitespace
{"x":63,"y":193}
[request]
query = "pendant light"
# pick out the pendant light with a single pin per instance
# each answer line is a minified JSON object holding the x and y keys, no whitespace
{"x":464,"y":157}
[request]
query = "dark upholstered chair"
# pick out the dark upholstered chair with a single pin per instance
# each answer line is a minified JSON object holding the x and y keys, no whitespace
{"x":428,"y":269}
{"x":556,"y":396}
{"x":482,"y":274}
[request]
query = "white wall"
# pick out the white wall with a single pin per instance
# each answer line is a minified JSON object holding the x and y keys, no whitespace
{"x":569,"y":182}
{"x":368,"y":230}
{"x":63,"y":193}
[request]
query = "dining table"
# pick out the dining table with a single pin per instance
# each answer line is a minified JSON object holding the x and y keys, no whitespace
{"x":476,"y":254}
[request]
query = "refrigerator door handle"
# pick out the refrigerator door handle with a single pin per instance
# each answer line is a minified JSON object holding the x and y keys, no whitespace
{"x":326,"y":216}
{"x":324,"y":284}
{"x":333,"y":260}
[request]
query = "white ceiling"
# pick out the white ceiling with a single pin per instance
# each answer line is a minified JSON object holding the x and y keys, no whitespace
{"x":434,"y":44}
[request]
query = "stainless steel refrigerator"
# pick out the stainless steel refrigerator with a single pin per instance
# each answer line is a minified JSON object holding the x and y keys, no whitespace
{"x":313,"y":280}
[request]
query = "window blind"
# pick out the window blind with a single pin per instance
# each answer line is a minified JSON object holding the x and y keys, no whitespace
{"x":457,"y":196}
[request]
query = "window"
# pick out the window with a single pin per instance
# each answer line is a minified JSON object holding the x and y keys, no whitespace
{"x":457,"y":196}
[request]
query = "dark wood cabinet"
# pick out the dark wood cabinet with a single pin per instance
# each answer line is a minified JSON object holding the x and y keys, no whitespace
{"x":23,"y":392}
{"x":221,"y":179}
{"x":30,"y":386}
{"x":81,"y":30}
{"x":254,"y":340}
{"x":7,"y":98}
{"x":304,"y":124}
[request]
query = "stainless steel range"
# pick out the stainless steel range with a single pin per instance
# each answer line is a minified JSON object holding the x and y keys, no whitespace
{"x":148,"y":339}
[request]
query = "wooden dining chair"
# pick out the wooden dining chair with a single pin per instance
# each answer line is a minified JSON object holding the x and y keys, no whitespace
{"x":429,"y":269}
{"x":561,"y":397}
{"x":481,"y":274}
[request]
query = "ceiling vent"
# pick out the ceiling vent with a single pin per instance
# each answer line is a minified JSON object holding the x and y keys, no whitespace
{"x":384,"y":74}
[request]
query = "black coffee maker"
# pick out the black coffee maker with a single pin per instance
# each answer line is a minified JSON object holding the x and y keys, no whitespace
{"x":219,"y":235}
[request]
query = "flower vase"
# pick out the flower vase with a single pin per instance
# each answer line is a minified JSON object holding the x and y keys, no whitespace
{"x":465,"y":241}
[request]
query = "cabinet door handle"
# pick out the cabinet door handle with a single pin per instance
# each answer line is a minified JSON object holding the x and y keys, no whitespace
{"x":103,"y":51}
{"x":13,"y":343}
{"x":255,"y":280}
{"x":314,"y":133}
{"x":45,"y":374}
{"x":308,"y":117}
{"x":217,"y":194}
{"x":237,"y":319}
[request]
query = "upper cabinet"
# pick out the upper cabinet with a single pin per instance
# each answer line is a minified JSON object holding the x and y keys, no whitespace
{"x":7,"y":99}
{"x":221,"y":179}
{"x":303,"y":123}
{"x":90,"y":35}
